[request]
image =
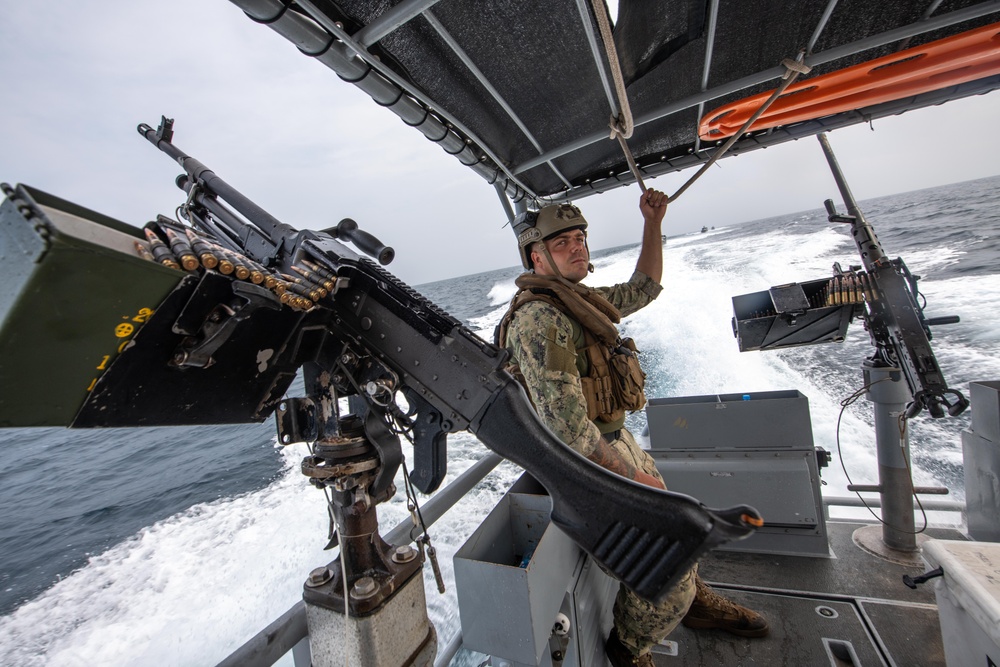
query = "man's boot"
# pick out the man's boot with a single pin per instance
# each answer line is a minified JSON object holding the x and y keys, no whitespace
{"x":711,"y":610}
{"x":621,"y":656}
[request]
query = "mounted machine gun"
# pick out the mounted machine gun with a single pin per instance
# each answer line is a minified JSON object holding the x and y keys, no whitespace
{"x":236,"y":303}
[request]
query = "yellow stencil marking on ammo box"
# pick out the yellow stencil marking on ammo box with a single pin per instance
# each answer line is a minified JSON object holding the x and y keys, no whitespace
{"x":124,"y":332}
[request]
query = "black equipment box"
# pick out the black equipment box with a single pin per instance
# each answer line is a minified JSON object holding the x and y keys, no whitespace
{"x":793,"y":314}
{"x":90,"y":332}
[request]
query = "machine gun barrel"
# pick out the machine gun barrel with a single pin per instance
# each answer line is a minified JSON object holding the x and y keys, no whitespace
{"x":200,"y":174}
{"x":893,"y":315}
{"x":864,"y":235}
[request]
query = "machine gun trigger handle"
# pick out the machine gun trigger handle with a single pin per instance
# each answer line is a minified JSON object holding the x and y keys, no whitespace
{"x":833,"y":216}
{"x":934,"y":403}
{"x":959,"y":406}
{"x":348,"y":230}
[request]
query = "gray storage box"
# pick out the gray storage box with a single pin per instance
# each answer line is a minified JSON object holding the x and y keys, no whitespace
{"x":751,"y":420}
{"x":968,"y":599}
{"x":782,"y":485}
{"x":753,"y":448}
{"x":981,"y":461}
{"x":511,"y":577}
{"x":985,"y":398}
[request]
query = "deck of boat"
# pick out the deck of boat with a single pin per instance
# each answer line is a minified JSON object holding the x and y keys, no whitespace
{"x":850,"y":609}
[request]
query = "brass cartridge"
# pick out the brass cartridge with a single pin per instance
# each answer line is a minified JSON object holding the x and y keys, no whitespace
{"x":240,"y":269}
{"x":294,"y":301}
{"x":202,"y":249}
{"x":308,"y":282}
{"x":161,"y":253}
{"x":182,"y":250}
{"x":225,"y":265}
{"x":314,"y":278}
{"x":258,"y":273}
{"x":319,"y":270}
{"x":295,"y":286}
{"x":143,"y":251}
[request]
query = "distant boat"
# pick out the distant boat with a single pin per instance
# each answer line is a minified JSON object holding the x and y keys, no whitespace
{"x":704,"y":229}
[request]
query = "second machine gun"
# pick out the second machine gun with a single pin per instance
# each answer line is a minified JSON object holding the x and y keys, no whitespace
{"x":882,"y":292}
{"x":902,"y":377}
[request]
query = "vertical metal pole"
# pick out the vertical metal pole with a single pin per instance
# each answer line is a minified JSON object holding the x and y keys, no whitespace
{"x":890,"y":397}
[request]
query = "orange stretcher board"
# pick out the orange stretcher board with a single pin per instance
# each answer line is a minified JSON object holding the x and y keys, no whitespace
{"x":946,"y":62}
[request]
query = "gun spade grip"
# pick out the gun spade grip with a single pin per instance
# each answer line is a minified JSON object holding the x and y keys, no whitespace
{"x":348,"y":230}
{"x":647,"y":538}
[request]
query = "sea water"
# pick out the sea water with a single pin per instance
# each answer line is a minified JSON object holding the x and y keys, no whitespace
{"x":173,"y":546}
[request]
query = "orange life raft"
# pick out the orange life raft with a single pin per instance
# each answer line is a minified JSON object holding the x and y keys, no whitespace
{"x":957,"y":59}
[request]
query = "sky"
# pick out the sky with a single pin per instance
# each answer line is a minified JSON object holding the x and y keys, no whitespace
{"x":80,"y":75}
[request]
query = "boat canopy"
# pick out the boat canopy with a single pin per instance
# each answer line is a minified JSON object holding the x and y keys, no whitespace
{"x":523,"y":92}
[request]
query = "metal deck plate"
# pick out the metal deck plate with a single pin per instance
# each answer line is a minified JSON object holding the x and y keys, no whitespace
{"x":804,"y":631}
{"x":854,"y":602}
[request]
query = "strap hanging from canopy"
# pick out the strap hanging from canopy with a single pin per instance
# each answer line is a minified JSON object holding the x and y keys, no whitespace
{"x":623,"y":125}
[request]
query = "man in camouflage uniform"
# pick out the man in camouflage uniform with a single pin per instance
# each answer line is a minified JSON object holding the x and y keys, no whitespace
{"x":547,"y":345}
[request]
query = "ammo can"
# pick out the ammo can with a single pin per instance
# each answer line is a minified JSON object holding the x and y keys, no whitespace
{"x":74,"y":293}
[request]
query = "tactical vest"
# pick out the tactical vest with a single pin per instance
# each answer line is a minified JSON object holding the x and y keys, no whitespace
{"x":610,"y":375}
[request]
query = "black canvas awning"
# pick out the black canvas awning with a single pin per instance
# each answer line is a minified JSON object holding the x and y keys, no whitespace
{"x":521,"y":90}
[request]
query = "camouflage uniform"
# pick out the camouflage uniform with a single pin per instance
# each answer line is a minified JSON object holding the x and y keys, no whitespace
{"x":544,"y":343}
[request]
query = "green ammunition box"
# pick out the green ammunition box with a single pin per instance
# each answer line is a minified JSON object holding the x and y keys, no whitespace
{"x":74,"y":294}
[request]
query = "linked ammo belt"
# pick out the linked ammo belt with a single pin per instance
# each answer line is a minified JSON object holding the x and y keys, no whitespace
{"x":611,"y":437}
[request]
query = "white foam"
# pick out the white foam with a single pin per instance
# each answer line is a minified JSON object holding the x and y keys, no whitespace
{"x":191,"y":589}
{"x":502,"y":293}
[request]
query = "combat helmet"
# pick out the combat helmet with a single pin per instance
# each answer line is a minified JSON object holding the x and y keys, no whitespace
{"x":541,"y":225}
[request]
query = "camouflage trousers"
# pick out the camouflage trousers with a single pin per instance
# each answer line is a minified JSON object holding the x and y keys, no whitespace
{"x":640,"y":624}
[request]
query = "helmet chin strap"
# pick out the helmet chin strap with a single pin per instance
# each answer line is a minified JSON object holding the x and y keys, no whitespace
{"x":552,"y":263}
{"x":555,"y":269}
